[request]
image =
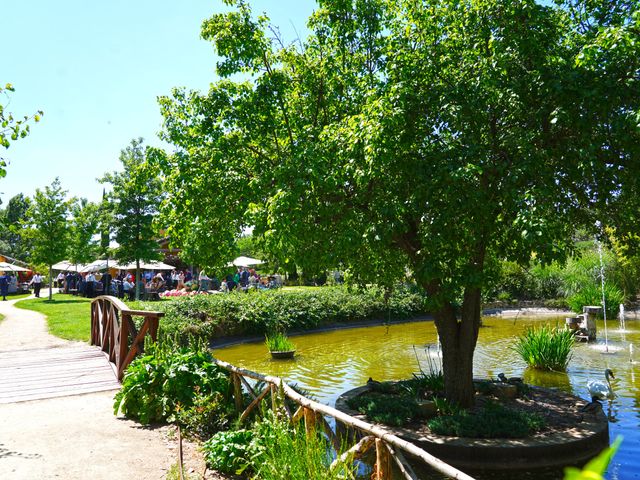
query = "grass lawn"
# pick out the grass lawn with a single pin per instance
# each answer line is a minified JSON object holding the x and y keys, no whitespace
{"x":68,"y":317}
{"x":18,"y":297}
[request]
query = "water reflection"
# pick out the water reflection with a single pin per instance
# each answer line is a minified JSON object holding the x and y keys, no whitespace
{"x":331,"y":362}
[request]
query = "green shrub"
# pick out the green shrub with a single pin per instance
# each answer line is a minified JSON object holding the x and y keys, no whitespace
{"x":591,"y":294}
{"x":423,"y":384}
{"x":546,"y":348}
{"x":208,"y":415}
{"x":164,"y":380}
{"x":383,"y":408}
{"x":282,"y":451}
{"x":228,"y":452}
{"x":492,"y":421}
{"x":211,"y":316}
{"x":279,"y":342}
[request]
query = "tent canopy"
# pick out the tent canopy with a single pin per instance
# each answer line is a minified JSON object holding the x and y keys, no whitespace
{"x":4,"y":266}
{"x":245,"y":261}
{"x":153,"y":265}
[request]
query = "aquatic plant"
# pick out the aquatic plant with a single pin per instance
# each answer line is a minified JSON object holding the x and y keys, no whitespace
{"x":279,"y":342}
{"x":545,"y":348}
{"x":591,"y":294}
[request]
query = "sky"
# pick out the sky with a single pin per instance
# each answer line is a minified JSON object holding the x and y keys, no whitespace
{"x":96,"y":69}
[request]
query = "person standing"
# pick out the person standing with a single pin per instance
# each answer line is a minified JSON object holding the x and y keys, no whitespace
{"x":4,"y":285}
{"x":91,"y":281}
{"x":36,"y":281}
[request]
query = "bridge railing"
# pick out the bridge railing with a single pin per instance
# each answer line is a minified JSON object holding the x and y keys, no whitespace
{"x":388,"y":446}
{"x":113,"y":329}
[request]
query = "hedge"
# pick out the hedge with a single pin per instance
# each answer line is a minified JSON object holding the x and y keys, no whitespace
{"x":256,"y":313}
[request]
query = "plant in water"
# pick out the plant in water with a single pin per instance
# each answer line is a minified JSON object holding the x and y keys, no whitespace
{"x":591,"y":294}
{"x":279,"y":342}
{"x":545,"y":348}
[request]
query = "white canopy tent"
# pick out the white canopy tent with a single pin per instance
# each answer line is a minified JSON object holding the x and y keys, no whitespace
{"x":10,"y":267}
{"x":245,"y":262}
{"x":95,"y":266}
{"x":66,"y":266}
{"x":153,"y":265}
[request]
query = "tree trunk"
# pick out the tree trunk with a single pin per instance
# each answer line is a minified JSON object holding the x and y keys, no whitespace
{"x":50,"y":284}
{"x":137,"y":279}
{"x":458,"y":338}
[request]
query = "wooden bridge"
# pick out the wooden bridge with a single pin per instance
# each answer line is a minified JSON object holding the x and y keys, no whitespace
{"x":39,"y":366}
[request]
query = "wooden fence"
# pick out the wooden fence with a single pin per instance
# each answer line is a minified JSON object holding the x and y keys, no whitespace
{"x":388,"y":446}
{"x":113,"y":329}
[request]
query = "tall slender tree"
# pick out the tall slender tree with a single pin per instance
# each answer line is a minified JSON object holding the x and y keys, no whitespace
{"x":82,"y":247}
{"x":135,"y":196}
{"x":47,"y":226}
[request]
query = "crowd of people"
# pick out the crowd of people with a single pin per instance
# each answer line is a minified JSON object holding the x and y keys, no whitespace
{"x":173,"y":283}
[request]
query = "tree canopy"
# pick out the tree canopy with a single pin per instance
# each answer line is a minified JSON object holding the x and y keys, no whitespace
{"x":134,"y":199}
{"x":12,"y":128}
{"x":46,"y":226}
{"x":82,"y":248}
{"x":429,"y":135}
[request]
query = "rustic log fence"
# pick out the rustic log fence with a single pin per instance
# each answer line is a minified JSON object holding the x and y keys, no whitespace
{"x":388,"y":446}
{"x":113,"y":329}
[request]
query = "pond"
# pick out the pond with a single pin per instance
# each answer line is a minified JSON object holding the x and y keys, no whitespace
{"x":329,"y":363}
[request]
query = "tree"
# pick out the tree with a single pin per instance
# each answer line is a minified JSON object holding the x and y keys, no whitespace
{"x":12,"y":128}
{"x":136,"y":194}
{"x":82,"y":248}
{"x":14,"y":243}
{"x":47,"y":226}
{"x":437,"y":136}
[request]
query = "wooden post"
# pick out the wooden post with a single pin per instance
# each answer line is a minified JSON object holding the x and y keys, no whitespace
{"x":309,"y":421}
{"x":124,"y":344}
{"x":274,"y":398}
{"x":383,"y":461}
{"x":237,"y":392}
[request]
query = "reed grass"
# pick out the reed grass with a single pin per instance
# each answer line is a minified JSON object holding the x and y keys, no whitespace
{"x":545,"y":348}
{"x":279,"y":342}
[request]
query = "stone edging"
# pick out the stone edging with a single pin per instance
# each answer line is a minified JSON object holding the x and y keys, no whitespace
{"x":571,"y":447}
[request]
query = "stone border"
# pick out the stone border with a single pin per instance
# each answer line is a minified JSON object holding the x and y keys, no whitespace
{"x":572,"y":447}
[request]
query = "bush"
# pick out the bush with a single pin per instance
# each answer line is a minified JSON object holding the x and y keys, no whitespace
{"x":208,"y":415}
{"x":492,"y":421}
{"x":164,"y":380}
{"x":210,"y":316}
{"x":275,"y":450}
{"x":228,"y":452}
{"x":383,"y":408}
{"x":283,"y":451}
{"x":591,"y":294}
{"x":546,"y":348}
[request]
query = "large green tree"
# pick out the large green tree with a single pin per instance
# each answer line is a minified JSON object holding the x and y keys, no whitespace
{"x":135,"y":196}
{"x":47,"y":226}
{"x":12,"y":128}
{"x":432,"y":135}
{"x":83,"y":225}
{"x":12,"y":241}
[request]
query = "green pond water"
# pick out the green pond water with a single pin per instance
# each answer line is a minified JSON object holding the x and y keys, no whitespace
{"x":329,"y":363}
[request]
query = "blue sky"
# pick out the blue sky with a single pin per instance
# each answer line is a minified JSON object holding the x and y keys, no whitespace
{"x":95,"y":69}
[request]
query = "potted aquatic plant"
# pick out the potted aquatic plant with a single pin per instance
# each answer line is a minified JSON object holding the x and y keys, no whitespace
{"x":280,"y":346}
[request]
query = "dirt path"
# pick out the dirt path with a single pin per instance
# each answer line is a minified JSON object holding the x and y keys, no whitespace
{"x":72,"y":437}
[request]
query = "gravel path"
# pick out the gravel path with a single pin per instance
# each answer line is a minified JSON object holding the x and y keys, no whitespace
{"x":73,"y":437}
